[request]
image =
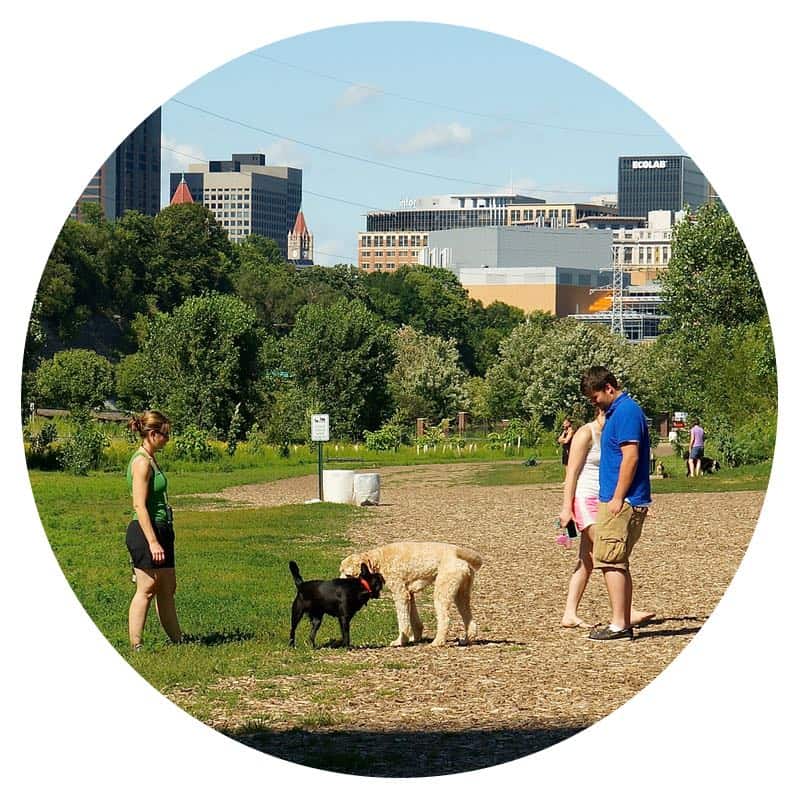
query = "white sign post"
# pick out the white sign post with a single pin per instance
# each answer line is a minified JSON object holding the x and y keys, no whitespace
{"x":320,"y":432}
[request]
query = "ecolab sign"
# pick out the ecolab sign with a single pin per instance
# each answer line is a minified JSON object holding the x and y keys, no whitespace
{"x":662,"y":164}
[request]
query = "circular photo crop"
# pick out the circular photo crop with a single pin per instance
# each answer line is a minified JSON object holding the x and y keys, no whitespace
{"x":379,"y":409}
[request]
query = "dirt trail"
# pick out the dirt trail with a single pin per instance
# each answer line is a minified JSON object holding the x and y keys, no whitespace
{"x":527,"y":682}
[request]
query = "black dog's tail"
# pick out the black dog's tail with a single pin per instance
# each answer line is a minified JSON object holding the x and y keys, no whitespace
{"x":295,"y":570}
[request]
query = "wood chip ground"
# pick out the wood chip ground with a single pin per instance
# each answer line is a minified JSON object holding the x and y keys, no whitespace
{"x":526,"y":683}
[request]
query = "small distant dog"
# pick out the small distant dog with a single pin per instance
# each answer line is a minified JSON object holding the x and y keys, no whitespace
{"x":408,"y":568}
{"x":340,"y":598}
{"x":660,"y":471}
{"x":707,"y":466}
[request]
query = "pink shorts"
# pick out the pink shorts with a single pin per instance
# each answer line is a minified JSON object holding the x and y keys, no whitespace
{"x":584,"y":511}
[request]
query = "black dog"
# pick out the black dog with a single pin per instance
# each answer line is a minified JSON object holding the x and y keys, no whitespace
{"x":707,"y":466}
{"x":340,"y":598}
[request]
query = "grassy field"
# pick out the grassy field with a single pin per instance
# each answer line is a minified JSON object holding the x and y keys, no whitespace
{"x":234,"y":586}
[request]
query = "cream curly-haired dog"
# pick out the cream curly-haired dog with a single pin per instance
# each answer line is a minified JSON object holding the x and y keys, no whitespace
{"x":408,"y":567}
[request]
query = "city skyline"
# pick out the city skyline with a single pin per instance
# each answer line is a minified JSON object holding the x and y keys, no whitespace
{"x":369,"y":136}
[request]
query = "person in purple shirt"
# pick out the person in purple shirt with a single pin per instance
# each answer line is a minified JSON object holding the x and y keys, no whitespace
{"x":624,"y":495}
{"x":697,"y":441}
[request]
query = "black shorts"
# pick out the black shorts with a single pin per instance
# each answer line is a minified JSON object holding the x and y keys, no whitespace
{"x":564,"y":455}
{"x":140,"y":550}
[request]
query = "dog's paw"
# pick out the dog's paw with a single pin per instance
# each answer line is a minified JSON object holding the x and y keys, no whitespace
{"x":437,"y":642}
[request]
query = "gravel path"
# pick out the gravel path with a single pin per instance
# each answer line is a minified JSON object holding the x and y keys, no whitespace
{"x":526,"y":683}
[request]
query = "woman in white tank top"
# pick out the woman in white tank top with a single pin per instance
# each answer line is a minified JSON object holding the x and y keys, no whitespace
{"x":581,"y":491}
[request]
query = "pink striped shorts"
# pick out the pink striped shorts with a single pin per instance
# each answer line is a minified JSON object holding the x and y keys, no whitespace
{"x":584,"y":511}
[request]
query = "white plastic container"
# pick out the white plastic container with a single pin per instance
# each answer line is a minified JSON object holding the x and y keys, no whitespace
{"x":367,"y":489}
{"x":337,"y":485}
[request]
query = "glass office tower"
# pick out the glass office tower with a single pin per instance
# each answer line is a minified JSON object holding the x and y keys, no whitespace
{"x":659,"y":183}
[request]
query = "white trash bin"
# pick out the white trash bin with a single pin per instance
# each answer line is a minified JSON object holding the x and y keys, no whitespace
{"x":367,"y":489}
{"x":337,"y":485}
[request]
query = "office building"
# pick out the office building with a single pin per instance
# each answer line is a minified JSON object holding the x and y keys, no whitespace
{"x":246,"y":196}
{"x":557,"y":215}
{"x":652,"y":183}
{"x":130,"y":178}
{"x":394,"y":238}
{"x":532,"y":268}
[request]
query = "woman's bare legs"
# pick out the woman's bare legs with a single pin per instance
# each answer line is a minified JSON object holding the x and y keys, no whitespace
{"x":579,"y":580}
{"x":140,"y":604}
{"x":165,"y":603}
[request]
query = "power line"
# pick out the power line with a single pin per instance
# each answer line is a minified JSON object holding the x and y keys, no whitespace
{"x":468,"y":112}
{"x":370,"y":161}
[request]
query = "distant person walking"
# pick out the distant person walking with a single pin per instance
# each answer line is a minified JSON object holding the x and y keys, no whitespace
{"x":624,"y":494}
{"x":697,"y":441}
{"x":150,"y":537}
{"x":565,"y":440}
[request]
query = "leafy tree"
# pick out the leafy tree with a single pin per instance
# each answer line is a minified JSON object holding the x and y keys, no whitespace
{"x":565,"y":350}
{"x":430,"y":299}
{"x":74,"y":379}
{"x":477,"y":390}
{"x":200,"y":361}
{"x":488,"y":327}
{"x":710,"y":279}
{"x":193,"y":254}
{"x":427,"y":380}
{"x":339,"y":356}
{"x":513,"y":371}
{"x":129,"y":258}
{"x":539,"y":372}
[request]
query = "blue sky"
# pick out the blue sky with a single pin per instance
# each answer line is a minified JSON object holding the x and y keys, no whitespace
{"x":480,"y":111}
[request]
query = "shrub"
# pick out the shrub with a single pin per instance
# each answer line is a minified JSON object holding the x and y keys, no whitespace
{"x":83,"y":448}
{"x":40,"y":452}
{"x":191,"y":444}
{"x":74,"y":379}
{"x":387,"y":437}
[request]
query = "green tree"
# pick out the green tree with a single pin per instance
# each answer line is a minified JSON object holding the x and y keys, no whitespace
{"x":539,"y":372}
{"x":199,"y":361}
{"x":488,"y":327}
{"x":192,"y":255}
{"x":710,"y":279}
{"x":430,"y":299}
{"x":427,"y":379}
{"x":74,"y":379}
{"x":512,"y":372}
{"x":339,"y":356}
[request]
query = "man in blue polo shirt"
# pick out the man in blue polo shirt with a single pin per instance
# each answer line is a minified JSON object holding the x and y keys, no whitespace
{"x":624,"y":494}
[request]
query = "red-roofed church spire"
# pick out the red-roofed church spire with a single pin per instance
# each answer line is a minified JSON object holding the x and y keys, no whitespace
{"x":300,"y":244}
{"x":182,"y":194}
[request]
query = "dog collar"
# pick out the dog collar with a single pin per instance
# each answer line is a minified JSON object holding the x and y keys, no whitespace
{"x":366,"y":586}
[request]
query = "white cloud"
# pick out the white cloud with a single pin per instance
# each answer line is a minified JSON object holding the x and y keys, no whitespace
{"x":356,"y":95}
{"x":436,"y":137}
{"x":286,"y":154}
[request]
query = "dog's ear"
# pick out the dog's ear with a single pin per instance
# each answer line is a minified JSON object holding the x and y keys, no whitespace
{"x":365,"y":573}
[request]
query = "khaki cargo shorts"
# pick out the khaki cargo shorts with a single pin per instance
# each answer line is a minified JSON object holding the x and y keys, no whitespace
{"x":615,"y":537}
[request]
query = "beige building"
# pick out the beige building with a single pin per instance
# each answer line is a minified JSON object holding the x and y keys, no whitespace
{"x":644,"y":252}
{"x":388,"y":251}
{"x":555,"y":215}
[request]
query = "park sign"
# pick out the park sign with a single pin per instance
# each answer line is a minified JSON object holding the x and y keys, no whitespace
{"x":320,"y":428}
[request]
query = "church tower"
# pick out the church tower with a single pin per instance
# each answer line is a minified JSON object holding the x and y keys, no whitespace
{"x":300,"y":243}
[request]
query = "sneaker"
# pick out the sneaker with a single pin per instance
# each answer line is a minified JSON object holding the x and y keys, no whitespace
{"x":605,"y":634}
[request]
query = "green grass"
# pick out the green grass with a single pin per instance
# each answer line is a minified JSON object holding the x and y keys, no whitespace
{"x":234,"y":587}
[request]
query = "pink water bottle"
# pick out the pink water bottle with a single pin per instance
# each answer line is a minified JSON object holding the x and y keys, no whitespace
{"x":562,"y":539}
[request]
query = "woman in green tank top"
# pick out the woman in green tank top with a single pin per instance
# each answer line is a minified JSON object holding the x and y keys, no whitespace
{"x":150,"y":537}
